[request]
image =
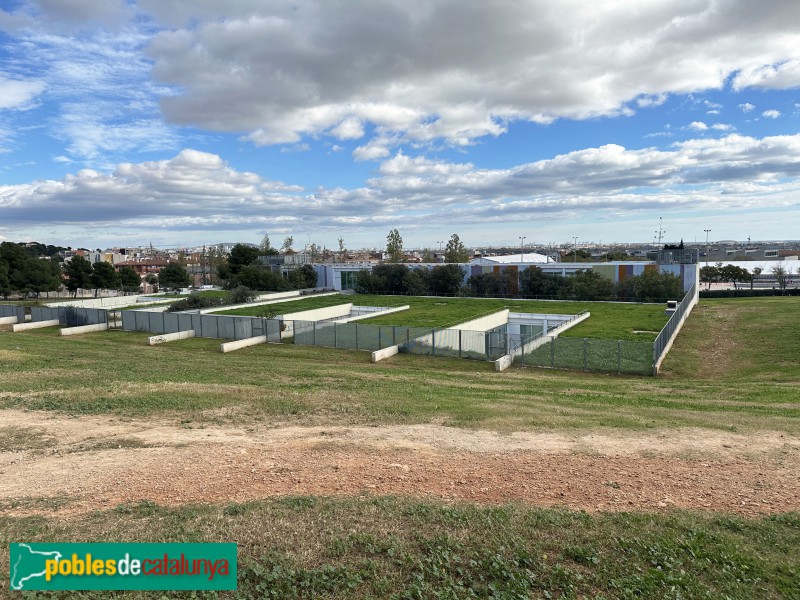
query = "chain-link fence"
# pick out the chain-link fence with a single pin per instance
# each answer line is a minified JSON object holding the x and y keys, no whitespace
{"x":660,"y":345}
{"x":586,"y":354}
{"x":481,"y":345}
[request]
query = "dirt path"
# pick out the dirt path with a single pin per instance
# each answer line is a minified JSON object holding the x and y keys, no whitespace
{"x":68,"y":465}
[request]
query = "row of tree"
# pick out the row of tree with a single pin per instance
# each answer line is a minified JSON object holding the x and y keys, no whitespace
{"x":736,"y":275}
{"x":533,"y":282}
{"x":243,"y":269}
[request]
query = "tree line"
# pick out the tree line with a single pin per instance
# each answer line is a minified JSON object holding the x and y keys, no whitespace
{"x":27,"y":275}
{"x":736,"y":275}
{"x":533,"y":282}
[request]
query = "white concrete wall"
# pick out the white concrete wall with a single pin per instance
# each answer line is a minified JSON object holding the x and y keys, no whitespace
{"x":484,"y":323}
{"x":371,"y":315}
{"x":109,"y":302}
{"x":8,"y":320}
{"x":262,"y":300}
{"x":320,"y":314}
{"x":379,"y":355}
{"x":84,"y":329}
{"x":236,"y":345}
{"x":170,"y":337}
{"x":35,"y":325}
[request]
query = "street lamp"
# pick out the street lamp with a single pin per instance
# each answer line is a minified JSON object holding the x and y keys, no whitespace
{"x":575,"y":259}
{"x":707,"y":232}
{"x":522,"y":248}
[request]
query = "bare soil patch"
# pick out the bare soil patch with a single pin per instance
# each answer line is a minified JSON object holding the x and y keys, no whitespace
{"x":100,"y":462}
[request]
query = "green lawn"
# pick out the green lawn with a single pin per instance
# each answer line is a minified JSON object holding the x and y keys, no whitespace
{"x":609,"y":320}
{"x":310,"y":547}
{"x":733,"y":367}
{"x":291,"y":306}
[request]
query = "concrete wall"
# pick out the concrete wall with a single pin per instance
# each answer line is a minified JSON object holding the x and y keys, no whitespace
{"x":8,"y":320}
{"x":544,"y":339}
{"x":265,"y":299}
{"x":109,"y":302}
{"x":379,"y":355}
{"x":320,"y":314}
{"x":370,"y":315}
{"x":170,"y":337}
{"x":486,"y":323}
{"x":35,"y":325}
{"x":231,"y":346}
{"x":84,"y":329}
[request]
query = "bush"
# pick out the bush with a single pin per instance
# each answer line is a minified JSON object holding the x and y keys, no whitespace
{"x":240,"y":295}
{"x":194,"y":302}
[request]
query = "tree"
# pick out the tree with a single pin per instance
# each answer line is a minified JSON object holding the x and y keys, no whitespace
{"x":532,"y":282}
{"x":709,"y":275}
{"x":315,"y":251}
{"x":79,"y":274}
{"x":734,"y":274}
{"x":129,"y":279}
{"x":241,"y":256}
{"x":173,"y":277}
{"x":342,"y":249}
{"x":756,"y":272}
{"x":427,"y":256}
{"x":445,"y":280}
{"x":455,"y":252}
{"x":104,"y":277}
{"x":394,"y":246}
{"x":288,"y":242}
{"x":152,"y":280}
{"x":781,"y":275}
{"x":266,"y":249}
{"x":5,"y":281}
{"x":493,"y":285}
{"x":303,"y":277}
{"x":36,"y":275}
{"x":592,"y":286}
{"x":652,"y":286}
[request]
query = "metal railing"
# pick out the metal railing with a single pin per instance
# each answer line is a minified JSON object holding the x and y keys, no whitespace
{"x":669,"y":330}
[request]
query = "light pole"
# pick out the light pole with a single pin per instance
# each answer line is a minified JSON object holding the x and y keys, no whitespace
{"x":707,"y":232}
{"x":440,"y":242}
{"x":522,"y":248}
{"x":575,"y":258}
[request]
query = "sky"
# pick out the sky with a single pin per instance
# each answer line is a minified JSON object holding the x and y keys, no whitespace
{"x":131,"y":122}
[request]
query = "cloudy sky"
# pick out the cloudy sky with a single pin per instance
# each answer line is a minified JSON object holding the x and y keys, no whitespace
{"x":168,"y":122}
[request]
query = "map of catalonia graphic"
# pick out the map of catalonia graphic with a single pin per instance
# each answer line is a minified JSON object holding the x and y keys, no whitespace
{"x":29,"y":564}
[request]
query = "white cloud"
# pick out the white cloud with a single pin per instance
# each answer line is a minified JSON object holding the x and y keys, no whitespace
{"x":18,"y":94}
{"x":722,"y":127}
{"x":746,"y":107}
{"x":350,"y":128}
{"x":197,"y":191}
{"x":697,"y":126}
{"x":771,"y":114}
{"x":453,"y":70}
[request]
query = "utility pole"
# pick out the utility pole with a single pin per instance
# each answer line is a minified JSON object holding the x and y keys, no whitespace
{"x":660,"y":233}
{"x":522,"y":248}
{"x":707,"y":232}
{"x":575,"y":258}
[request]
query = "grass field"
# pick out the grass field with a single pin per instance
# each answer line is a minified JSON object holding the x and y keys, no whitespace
{"x":308,"y":547}
{"x":735,"y":367}
{"x":608,"y":320}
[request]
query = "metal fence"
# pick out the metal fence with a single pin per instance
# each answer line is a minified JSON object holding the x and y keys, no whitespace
{"x":70,"y":316}
{"x":672,"y":325}
{"x":208,"y":326}
{"x":587,"y":354}
{"x":458,"y":343}
{"x":13,"y":310}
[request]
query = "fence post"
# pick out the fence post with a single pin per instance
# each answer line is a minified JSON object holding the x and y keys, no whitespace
{"x":394,"y":335}
{"x":380,"y":338}
{"x":334,"y":335}
{"x":619,"y":357}
{"x":433,"y":342}
{"x":314,"y":334}
{"x":553,"y":353}
{"x":459,"y":343}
